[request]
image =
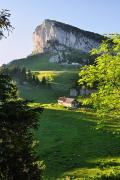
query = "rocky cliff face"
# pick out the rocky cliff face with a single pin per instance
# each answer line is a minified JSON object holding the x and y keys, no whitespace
{"x":52,"y":35}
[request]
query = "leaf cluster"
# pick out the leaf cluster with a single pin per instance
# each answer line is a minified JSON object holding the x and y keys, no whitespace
{"x":104,"y":77}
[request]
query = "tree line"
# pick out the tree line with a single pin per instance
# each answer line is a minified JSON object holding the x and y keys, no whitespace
{"x":24,"y":76}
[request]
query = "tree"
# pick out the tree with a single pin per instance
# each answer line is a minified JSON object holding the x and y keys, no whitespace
{"x":16,"y":144}
{"x":73,"y":55}
{"x":5,"y":24}
{"x":29,"y":76}
{"x":8,"y":89}
{"x":43,"y":81}
{"x":23,"y":73}
{"x":104,"y":75}
{"x":35,"y":80}
{"x":18,"y":160}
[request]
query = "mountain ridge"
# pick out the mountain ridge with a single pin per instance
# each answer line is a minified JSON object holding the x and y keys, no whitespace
{"x":64,"y":35}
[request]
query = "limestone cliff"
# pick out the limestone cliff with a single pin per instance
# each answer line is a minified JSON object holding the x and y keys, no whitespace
{"x":52,"y":34}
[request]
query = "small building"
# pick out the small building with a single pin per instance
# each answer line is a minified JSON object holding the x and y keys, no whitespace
{"x":67,"y":102}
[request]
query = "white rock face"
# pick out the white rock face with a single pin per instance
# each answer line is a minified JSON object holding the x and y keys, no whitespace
{"x":65,"y":35}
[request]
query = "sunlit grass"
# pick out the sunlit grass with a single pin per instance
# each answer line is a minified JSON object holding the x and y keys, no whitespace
{"x":71,"y":146}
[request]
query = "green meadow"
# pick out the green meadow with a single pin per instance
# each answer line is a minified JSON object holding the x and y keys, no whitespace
{"x":70,"y":142}
{"x":60,"y":83}
{"x":71,"y":145}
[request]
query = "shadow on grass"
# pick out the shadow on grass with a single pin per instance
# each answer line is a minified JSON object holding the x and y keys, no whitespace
{"x":69,"y":140}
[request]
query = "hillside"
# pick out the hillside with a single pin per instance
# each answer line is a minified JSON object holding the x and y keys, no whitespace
{"x":60,"y":84}
{"x":70,"y":143}
{"x":39,"y":62}
{"x":61,"y":78}
{"x":35,"y":63}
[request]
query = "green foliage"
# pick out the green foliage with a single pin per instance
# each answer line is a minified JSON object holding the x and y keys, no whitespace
{"x":43,"y":81}
{"x":112,"y":176}
{"x":17,"y":158}
{"x":21,"y":75}
{"x":104,"y":76}
{"x":29,"y":75}
{"x":16,"y":118}
{"x":24,"y":73}
{"x":8,"y":88}
{"x":76,"y":56}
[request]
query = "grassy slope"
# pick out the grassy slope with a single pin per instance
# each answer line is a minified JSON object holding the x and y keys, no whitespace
{"x":69,"y":143}
{"x":38,"y":63}
{"x":35,"y":63}
{"x":60,"y":83}
{"x":61,"y":78}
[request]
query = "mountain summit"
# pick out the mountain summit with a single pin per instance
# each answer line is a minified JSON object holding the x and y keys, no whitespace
{"x":53,"y":34}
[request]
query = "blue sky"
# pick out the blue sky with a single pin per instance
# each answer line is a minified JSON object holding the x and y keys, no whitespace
{"x":101,"y":16}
